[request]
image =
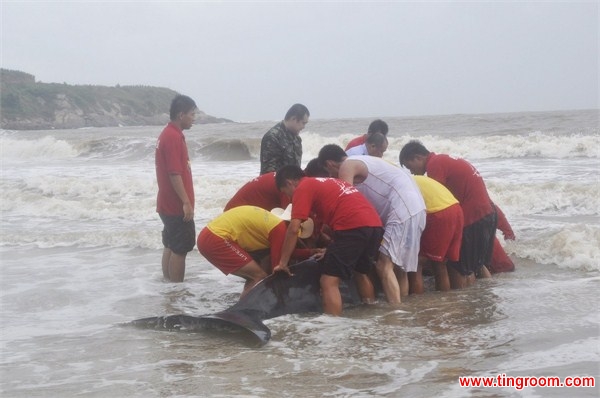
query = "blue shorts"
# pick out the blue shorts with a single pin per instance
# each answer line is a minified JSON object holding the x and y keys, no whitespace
{"x":178,"y":235}
{"x":352,"y":250}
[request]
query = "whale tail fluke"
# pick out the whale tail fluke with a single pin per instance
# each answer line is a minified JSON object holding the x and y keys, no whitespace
{"x":249,"y":329}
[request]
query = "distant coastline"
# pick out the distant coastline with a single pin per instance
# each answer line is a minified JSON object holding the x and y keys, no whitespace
{"x":29,"y":105}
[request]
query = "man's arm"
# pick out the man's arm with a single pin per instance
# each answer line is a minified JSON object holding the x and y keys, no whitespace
{"x":289,"y":244}
{"x":353,"y":171}
{"x":177,"y":183}
{"x":270,"y":153}
{"x":503,"y":225}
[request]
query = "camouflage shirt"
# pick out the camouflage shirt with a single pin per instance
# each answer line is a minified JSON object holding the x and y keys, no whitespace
{"x":279,"y":147}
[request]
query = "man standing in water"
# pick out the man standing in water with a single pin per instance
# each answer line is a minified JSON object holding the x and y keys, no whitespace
{"x":466,"y":184}
{"x":175,"y":199}
{"x":375,"y":145}
{"x":376,"y":126}
{"x":282,"y":145}
{"x":357,"y":232}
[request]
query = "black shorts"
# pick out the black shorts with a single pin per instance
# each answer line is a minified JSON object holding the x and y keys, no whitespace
{"x":477,"y":245}
{"x":353,"y":249}
{"x":178,"y":235}
{"x":258,"y":255}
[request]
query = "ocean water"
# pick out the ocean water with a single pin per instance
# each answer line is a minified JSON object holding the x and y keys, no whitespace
{"x":80,"y":256}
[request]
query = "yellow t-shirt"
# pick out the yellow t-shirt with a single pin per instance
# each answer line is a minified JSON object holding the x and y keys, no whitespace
{"x":249,"y":226}
{"x":436,"y":196}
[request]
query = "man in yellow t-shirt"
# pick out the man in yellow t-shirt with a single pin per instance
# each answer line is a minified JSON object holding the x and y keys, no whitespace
{"x":229,"y":240}
{"x":442,"y":237}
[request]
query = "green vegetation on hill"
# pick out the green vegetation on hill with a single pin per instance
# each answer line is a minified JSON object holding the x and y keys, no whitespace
{"x":27,"y":105}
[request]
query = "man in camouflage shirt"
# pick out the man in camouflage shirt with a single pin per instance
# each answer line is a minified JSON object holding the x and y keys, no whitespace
{"x":282,"y":145}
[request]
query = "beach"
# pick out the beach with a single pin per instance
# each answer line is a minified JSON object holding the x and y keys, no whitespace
{"x":81,"y":249}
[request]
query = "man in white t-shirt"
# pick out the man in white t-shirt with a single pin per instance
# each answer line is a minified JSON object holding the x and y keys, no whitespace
{"x":399,"y":203}
{"x":375,"y":145}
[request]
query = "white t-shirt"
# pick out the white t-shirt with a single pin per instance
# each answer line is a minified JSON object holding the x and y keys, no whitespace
{"x":391,"y":189}
{"x":357,"y":150}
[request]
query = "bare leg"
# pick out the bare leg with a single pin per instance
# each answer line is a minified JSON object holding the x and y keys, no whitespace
{"x":365,"y":287}
{"x":415,"y":280}
{"x":402,"y":281}
{"x":173,"y":265}
{"x":457,"y":280}
{"x":484,"y":273}
{"x":165,"y":262}
{"x":330,"y":295}
{"x":252,"y":273}
{"x":442,"y":280}
{"x":389,"y":283}
{"x":471,"y":279}
{"x":247,"y":286}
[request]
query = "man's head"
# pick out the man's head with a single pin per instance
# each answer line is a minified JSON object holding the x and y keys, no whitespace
{"x":376,"y":144}
{"x":331,"y":157}
{"x":378,"y":126}
{"x":183,"y":111}
{"x":296,"y":118}
{"x":315,"y":169}
{"x":287,"y":179}
{"x":413,"y":156}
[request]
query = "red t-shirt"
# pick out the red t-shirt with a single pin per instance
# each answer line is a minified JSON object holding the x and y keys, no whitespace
{"x":276,"y":239}
{"x":335,"y":202}
{"x":260,"y":192}
{"x":171,"y":157}
{"x":503,"y":224}
{"x":356,"y":142}
{"x":500,"y":260}
{"x":465,"y":183}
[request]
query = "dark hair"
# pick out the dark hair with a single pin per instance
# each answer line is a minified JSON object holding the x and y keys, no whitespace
{"x":377,"y":139}
{"x":181,"y":103}
{"x":331,"y":152}
{"x":297,"y":111}
{"x":289,"y":172}
{"x":378,"y":126}
{"x":410,"y":150}
{"x":314,"y":168}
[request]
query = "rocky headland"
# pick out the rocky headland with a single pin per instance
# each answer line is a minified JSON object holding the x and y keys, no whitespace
{"x":29,"y":105}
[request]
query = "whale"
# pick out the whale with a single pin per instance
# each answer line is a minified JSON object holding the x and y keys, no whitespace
{"x":276,"y":295}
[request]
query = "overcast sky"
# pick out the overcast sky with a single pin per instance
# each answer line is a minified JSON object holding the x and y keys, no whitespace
{"x":252,"y":60}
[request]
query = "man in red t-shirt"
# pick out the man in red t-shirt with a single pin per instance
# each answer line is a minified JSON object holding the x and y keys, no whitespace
{"x":500,"y":260}
{"x":376,"y":126}
{"x":468,"y":187}
{"x":357,"y":231}
{"x":261,"y":192}
{"x":175,"y":199}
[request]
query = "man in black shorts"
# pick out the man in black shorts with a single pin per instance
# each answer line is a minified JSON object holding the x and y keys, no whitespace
{"x":467,"y":185}
{"x":175,"y":200}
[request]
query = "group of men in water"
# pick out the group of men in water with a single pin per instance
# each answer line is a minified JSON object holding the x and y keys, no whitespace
{"x":362,"y":217}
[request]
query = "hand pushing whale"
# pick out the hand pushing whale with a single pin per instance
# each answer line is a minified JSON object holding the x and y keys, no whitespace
{"x":276,"y":295}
